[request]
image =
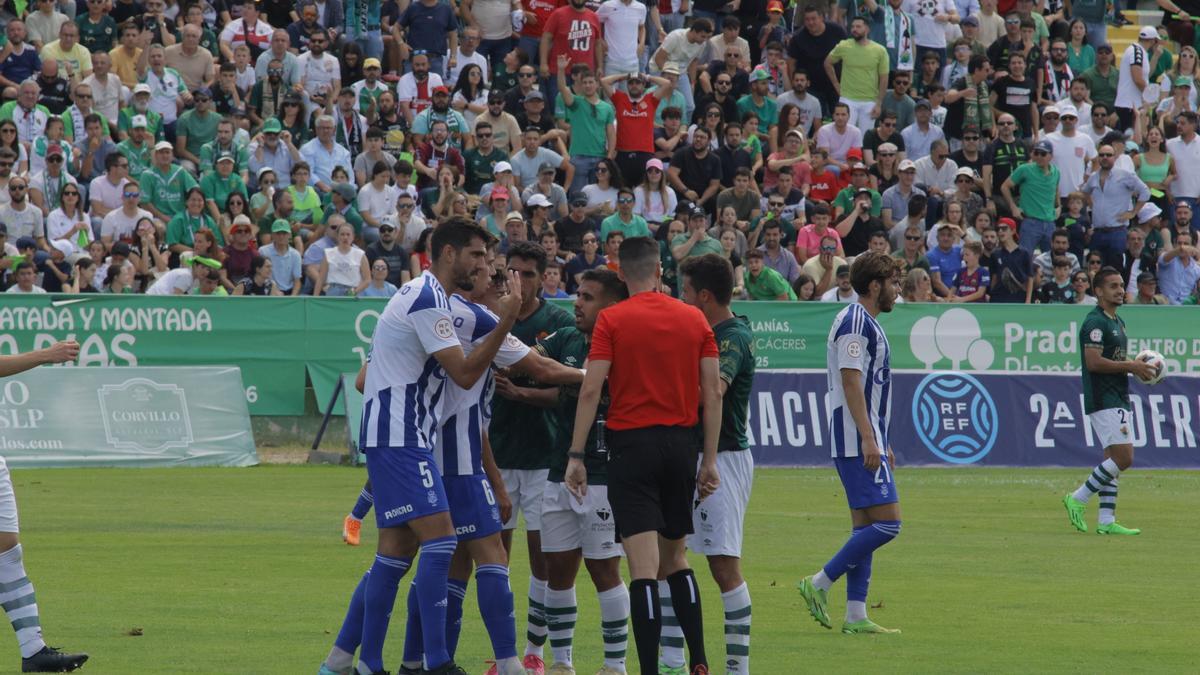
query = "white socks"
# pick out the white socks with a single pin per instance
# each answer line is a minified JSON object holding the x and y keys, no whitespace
{"x":737,"y":629}
{"x":614,"y":625}
{"x":16,"y":595}
{"x":561,"y":614}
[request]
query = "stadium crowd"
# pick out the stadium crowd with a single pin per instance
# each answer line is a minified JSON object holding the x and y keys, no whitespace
{"x":1001,"y":151}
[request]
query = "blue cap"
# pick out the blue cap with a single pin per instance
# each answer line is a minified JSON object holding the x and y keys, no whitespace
{"x":1044,"y":146}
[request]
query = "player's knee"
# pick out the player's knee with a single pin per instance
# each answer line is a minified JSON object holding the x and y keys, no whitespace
{"x":726,"y":571}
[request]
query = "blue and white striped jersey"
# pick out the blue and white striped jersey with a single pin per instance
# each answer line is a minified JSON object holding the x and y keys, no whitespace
{"x":404,"y":390}
{"x":857,"y":341}
{"x":468,"y":412}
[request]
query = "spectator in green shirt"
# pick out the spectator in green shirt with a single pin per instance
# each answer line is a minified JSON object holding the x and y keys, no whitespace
{"x":764,"y":283}
{"x":165,"y":184}
{"x":182,"y":229}
{"x":759,"y":102}
{"x":219,"y":184}
{"x":696,"y":240}
{"x":138,"y":147}
{"x":625,"y":220}
{"x":195,"y":128}
{"x":342,"y":202}
{"x":593,"y":123}
{"x":1039,"y":200}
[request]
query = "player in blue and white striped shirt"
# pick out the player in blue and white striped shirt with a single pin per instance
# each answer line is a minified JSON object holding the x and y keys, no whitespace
{"x":860,"y":401}
{"x":414,"y":352}
{"x":474,"y":486}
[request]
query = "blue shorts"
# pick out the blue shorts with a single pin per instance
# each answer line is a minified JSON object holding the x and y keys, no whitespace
{"x":472,"y":507}
{"x":406,"y":483}
{"x":866,"y":488}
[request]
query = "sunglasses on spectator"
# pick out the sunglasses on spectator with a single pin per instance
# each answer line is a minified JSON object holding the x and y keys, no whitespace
{"x":970,"y":138}
{"x":481,"y":135}
{"x":775,"y":204}
{"x":14,"y":188}
{"x":70,"y":194}
{"x":54,"y":160}
{"x":1106,"y":154}
{"x":405,"y":206}
{"x":131,"y":195}
{"x":1006,"y":124}
{"x":601,"y":169}
{"x":887,"y":154}
{"x":828,"y":249}
{"x":526,"y":74}
{"x":625,"y":200}
{"x":913,"y":237}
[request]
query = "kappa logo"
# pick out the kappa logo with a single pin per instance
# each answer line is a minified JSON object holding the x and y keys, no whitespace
{"x":955,"y":417}
{"x":956,"y":336}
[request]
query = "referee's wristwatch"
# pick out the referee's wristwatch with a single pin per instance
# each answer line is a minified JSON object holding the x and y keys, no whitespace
{"x":572,"y":454}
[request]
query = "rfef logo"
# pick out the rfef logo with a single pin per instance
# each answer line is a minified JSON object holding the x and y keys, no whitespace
{"x":955,"y":417}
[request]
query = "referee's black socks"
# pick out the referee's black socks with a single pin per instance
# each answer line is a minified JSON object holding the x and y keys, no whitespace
{"x":646,"y":616}
{"x":685,"y":597}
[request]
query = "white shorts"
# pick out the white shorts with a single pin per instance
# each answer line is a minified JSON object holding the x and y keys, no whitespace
{"x":718,"y":520}
{"x":568,"y":525}
{"x":1112,"y":426}
{"x":860,"y":112}
{"x":525,"y":488}
{"x":8,"y":501}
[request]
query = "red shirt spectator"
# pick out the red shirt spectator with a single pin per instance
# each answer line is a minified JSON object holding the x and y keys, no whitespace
{"x":542,"y":9}
{"x":824,"y":185}
{"x":575,"y":33}
{"x":635,"y":122}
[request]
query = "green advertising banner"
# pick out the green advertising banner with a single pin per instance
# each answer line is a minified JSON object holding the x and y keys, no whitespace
{"x":276,"y":340}
{"x":264,"y":337}
{"x":145,"y":417}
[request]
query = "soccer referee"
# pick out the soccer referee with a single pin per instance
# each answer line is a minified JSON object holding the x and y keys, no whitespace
{"x":661,"y":361}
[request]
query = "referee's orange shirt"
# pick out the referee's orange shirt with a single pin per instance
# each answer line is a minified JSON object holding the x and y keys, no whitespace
{"x":654,"y":343}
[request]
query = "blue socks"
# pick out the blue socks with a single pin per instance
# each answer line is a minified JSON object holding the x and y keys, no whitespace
{"x":350,"y":635}
{"x":363,"y":506}
{"x":379,"y":595}
{"x":496,"y":606}
{"x":858,"y":576}
{"x":455,"y":592}
{"x":860,"y":545}
{"x":431,"y":582}
{"x":413,"y":640}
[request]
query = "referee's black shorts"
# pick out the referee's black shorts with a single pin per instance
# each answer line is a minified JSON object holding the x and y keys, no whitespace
{"x":652,"y":480}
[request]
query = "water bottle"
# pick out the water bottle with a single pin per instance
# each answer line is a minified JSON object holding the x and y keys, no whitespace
{"x":601,"y":442}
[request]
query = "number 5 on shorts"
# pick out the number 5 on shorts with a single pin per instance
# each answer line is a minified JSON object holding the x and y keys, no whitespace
{"x":427,"y":475}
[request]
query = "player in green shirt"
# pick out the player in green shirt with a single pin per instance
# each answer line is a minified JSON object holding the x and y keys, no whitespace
{"x":1106,"y":371}
{"x":524,"y":435}
{"x":164,"y":184}
{"x":574,"y":532}
{"x":707,"y":283}
{"x":764,"y":283}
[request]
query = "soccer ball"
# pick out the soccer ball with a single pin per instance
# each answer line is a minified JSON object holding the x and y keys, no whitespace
{"x":1155,"y":359}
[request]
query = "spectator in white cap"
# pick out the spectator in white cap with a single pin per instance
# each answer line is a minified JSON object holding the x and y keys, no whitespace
{"x":896,"y":198}
{"x":505,"y":178}
{"x":1049,"y":118}
{"x":1073,"y":151}
{"x":138,"y":146}
{"x":139,"y":106}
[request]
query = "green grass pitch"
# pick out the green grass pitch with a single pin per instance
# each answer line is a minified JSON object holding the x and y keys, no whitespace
{"x":244,"y":571}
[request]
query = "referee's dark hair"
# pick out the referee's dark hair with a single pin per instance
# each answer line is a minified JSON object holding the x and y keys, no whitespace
{"x":639,"y":257}
{"x":710,"y":272}
{"x":528,"y":250}
{"x":609,"y":280}
{"x":870,"y":267}
{"x":457,"y":232}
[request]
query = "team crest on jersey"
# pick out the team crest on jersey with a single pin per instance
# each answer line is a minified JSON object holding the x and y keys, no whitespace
{"x":433,"y":498}
{"x":512,"y":342}
{"x":443,"y":328}
{"x":603,"y":514}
